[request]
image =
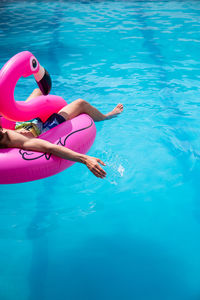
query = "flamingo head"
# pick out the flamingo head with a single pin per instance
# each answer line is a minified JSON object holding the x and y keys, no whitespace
{"x":25,"y":64}
{"x":41,"y":75}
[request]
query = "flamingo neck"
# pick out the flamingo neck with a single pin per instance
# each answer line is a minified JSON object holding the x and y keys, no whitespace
{"x":9,"y":75}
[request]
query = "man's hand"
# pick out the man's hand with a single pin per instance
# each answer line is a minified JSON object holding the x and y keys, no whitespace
{"x":93,"y":165}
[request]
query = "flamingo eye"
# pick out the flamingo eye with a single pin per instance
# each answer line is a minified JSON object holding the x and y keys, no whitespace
{"x":33,"y":63}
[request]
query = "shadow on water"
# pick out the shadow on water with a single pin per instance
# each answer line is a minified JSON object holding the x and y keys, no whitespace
{"x":117,"y":267}
{"x":183,"y":157}
{"x":37,"y":234}
{"x":55,"y":45}
{"x":38,"y":228}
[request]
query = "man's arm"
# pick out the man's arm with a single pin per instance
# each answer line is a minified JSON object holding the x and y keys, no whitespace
{"x":43,"y":146}
{"x":16,"y":140}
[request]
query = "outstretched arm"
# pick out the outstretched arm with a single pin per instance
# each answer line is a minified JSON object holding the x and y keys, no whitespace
{"x":44,"y":146}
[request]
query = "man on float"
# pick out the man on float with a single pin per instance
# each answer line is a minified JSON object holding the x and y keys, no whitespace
{"x":25,"y":133}
{"x":24,"y":136}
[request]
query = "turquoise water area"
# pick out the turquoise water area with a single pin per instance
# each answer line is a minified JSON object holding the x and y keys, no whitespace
{"x":134,"y":235}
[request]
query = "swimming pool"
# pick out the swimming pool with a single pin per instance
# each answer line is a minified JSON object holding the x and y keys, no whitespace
{"x":134,"y":235}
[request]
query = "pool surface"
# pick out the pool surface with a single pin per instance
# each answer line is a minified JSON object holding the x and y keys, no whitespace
{"x":134,"y":235}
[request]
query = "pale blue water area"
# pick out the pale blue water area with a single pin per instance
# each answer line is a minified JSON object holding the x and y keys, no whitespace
{"x":136,"y":234}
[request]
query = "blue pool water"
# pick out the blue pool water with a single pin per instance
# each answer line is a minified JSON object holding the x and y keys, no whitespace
{"x":134,"y":235}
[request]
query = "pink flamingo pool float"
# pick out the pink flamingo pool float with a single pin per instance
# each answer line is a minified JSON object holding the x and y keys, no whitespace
{"x":78,"y":134}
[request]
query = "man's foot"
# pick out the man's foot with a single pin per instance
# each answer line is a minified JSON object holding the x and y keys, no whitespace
{"x":116,"y":111}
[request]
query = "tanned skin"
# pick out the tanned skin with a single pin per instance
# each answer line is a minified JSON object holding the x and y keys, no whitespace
{"x":24,"y":139}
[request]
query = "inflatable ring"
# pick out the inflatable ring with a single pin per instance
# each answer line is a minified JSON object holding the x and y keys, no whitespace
{"x":78,"y":134}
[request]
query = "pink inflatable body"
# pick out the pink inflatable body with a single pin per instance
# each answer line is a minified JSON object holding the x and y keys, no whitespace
{"x":78,"y":134}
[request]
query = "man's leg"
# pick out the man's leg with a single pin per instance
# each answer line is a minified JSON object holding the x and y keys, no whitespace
{"x":80,"y":106}
{"x":35,"y":93}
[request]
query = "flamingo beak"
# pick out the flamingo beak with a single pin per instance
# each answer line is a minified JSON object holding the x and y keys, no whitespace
{"x":43,"y":80}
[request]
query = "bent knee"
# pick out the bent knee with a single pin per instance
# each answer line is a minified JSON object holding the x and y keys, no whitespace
{"x":81,"y":102}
